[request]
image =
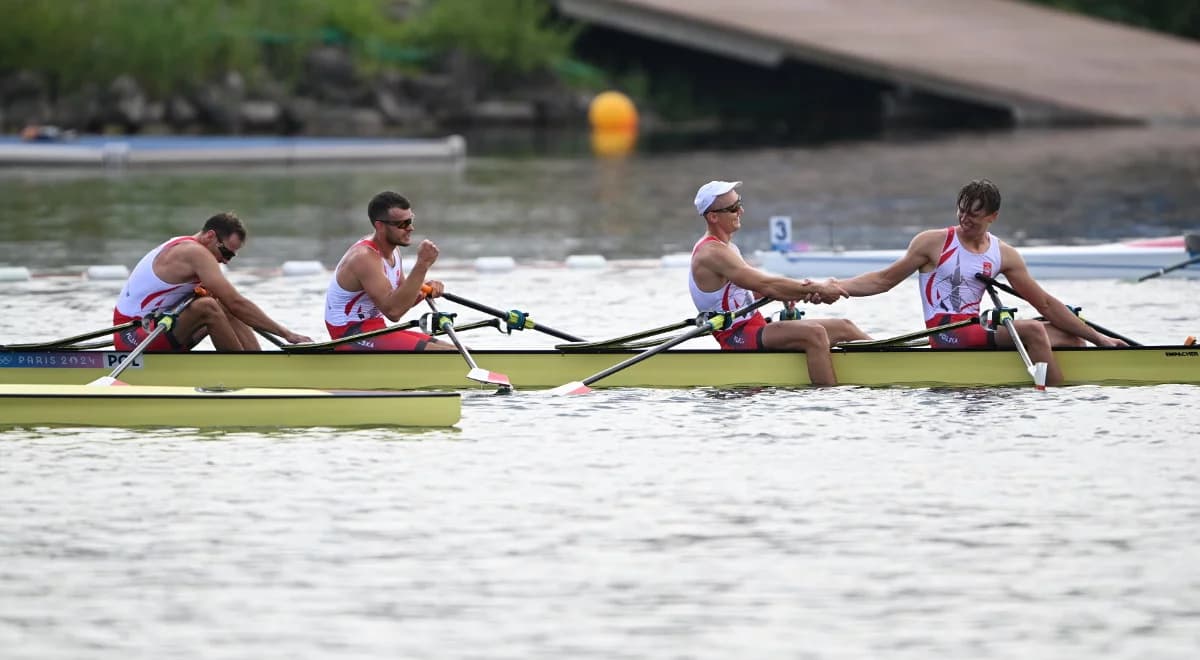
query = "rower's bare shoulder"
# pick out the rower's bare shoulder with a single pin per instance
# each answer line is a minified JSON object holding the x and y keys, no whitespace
{"x":928,"y":243}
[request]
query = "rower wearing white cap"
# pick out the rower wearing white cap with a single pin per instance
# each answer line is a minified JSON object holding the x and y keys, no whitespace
{"x":720,"y":280}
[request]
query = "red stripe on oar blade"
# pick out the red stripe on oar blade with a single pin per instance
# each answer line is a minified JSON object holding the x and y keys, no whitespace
{"x":107,"y":381}
{"x":571,"y":388}
{"x":1039,"y":375}
{"x":485,"y":376}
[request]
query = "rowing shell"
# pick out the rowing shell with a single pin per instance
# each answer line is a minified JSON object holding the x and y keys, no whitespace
{"x":158,"y":405}
{"x":1108,"y":261}
{"x":1142,"y":365}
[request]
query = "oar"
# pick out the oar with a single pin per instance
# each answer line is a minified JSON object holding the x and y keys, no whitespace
{"x":164,"y":323}
{"x":901,"y":339}
{"x":622,"y":342}
{"x":325,"y":346}
{"x":515,"y":320}
{"x":1075,"y":310}
{"x":59,"y":343}
{"x":1036,"y":371}
{"x":480,"y":375}
{"x":318,"y":346}
{"x":1163,"y":271}
{"x":1191,"y":242}
{"x":715,"y":322}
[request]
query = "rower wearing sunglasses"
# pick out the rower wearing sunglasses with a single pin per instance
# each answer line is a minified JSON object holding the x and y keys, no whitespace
{"x":721,"y":281}
{"x":170,"y":273}
{"x":369,"y":286}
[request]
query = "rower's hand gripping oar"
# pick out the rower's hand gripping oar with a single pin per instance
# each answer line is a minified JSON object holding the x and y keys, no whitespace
{"x":164,"y":323}
{"x":1074,"y":310}
{"x":445,"y":323}
{"x":712,"y":323}
{"x":1005,"y":315}
{"x":514,"y":319}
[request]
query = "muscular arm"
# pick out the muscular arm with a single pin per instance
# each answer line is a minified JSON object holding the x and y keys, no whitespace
{"x":917,"y":257}
{"x":716,"y":262}
{"x":1014,"y":269}
{"x":364,"y":266}
{"x":209,"y":271}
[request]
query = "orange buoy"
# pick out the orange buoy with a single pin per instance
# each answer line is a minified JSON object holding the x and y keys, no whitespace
{"x":612,"y":111}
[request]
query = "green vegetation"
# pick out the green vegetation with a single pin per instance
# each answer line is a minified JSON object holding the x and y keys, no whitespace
{"x":1178,"y":17}
{"x":169,"y":45}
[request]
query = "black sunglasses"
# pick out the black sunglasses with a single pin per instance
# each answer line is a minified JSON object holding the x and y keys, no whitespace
{"x":398,"y":224}
{"x":225,"y":252}
{"x":732,"y":208}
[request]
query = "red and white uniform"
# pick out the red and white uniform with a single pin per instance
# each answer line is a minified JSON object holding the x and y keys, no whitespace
{"x":353,"y":312}
{"x":145,"y":294}
{"x":746,"y":331}
{"x":950,"y":292}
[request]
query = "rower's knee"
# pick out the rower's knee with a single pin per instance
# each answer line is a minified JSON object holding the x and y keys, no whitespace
{"x":1033,"y":334}
{"x":810,"y":337}
{"x":207,"y":309}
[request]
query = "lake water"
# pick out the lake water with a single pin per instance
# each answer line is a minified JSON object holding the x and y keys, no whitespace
{"x":630,"y":523}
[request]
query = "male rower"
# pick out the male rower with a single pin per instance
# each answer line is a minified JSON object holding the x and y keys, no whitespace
{"x":166,"y":275}
{"x":369,"y":283}
{"x":948,"y":260}
{"x":721,"y":281}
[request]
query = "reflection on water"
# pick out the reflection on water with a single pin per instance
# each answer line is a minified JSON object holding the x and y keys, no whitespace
{"x":1058,"y":185}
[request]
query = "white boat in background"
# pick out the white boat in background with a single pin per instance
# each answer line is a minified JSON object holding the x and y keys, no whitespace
{"x":1126,"y":260}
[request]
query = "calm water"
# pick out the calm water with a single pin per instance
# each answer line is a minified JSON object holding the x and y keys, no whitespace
{"x":840,"y":523}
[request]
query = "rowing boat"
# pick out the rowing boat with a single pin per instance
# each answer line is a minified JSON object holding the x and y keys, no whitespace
{"x":1108,"y":261}
{"x":219,"y":407}
{"x":874,"y":366}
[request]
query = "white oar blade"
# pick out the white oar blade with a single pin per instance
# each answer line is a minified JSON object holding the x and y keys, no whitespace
{"x":1038,"y":371}
{"x":106,"y":381}
{"x":574,"y":387}
{"x":484,"y":376}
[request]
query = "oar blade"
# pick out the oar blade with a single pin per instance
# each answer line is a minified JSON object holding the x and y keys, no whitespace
{"x":107,"y":381}
{"x":482,"y":375}
{"x":574,"y":387}
{"x":1038,"y":371}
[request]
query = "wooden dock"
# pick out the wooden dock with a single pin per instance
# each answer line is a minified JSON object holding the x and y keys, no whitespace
{"x":1043,"y":65}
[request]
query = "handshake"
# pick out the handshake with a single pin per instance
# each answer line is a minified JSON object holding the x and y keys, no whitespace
{"x":827,"y":292}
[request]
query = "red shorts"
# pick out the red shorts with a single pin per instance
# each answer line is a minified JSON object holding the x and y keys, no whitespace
{"x":397,"y":340}
{"x":746,"y":336}
{"x":129,"y":338}
{"x":971,"y":336}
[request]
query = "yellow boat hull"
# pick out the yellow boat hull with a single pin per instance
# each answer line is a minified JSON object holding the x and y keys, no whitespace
{"x":1146,"y":365}
{"x":159,"y":405}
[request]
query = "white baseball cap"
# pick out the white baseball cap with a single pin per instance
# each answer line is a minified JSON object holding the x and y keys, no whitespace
{"x":711,"y":191}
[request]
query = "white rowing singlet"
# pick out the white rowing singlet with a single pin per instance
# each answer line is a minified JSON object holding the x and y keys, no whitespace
{"x":724,"y":299}
{"x":342,"y":306}
{"x":144,"y":293}
{"x":951,"y":288}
